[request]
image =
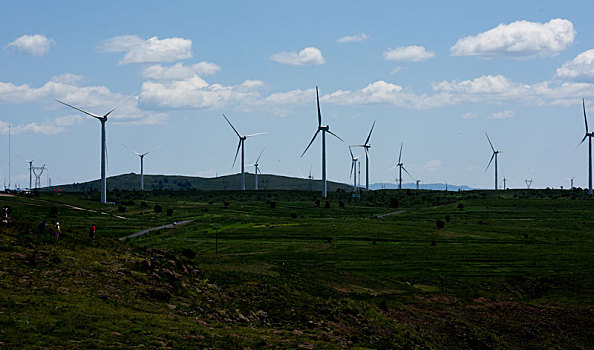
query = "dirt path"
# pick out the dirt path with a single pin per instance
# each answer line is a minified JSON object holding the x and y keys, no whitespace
{"x":392,"y":213}
{"x":140,"y":233}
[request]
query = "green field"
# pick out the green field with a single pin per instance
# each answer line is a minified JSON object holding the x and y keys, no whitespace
{"x":508,"y":269}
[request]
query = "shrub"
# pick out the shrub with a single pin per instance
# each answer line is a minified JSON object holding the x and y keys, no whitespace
{"x":169,"y":212}
{"x":121,"y":209}
{"x":226,"y":204}
{"x":272,"y":204}
{"x":144,"y":204}
{"x":341,"y":204}
{"x":327,"y":204}
{"x":158,"y":208}
{"x":328,"y":239}
{"x":440,"y":224}
{"x":54,"y":211}
{"x":461,"y":206}
{"x":317,"y":202}
{"x":394,"y":203}
{"x":188,"y":253}
{"x":294,"y":215}
{"x":447,"y":218}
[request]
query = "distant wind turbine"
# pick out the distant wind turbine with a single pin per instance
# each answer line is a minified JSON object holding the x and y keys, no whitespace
{"x":103,"y":120}
{"x":257,"y":169}
{"x":589,"y":135}
{"x":366,"y":146}
{"x":354,"y":169}
{"x":141,"y":155}
{"x":324,"y":129}
{"x":401,"y":167}
{"x":241,"y":145}
{"x":495,"y":153}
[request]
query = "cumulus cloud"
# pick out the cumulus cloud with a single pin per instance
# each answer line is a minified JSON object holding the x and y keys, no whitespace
{"x":179,"y":71}
{"x":581,"y":68}
{"x":95,"y":99}
{"x":34,"y":45}
{"x":45,"y":128}
{"x":408,"y":53}
{"x":152,"y":50}
{"x":309,"y":55}
{"x":353,"y":38}
{"x":502,"y":115}
{"x":518,"y":39}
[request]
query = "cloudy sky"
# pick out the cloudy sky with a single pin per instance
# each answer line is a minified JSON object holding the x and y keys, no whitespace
{"x":433,"y":76}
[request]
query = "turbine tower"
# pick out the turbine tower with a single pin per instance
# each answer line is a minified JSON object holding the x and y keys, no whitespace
{"x":589,"y":135}
{"x":401,"y":167}
{"x":324,"y":129}
{"x":241,"y":145}
{"x":366,"y":146}
{"x":354,"y":169}
{"x":257,"y":169}
{"x":103,"y":120}
{"x":30,"y":173}
{"x":495,"y":153}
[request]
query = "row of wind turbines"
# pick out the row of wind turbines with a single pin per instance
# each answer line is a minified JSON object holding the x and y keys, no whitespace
{"x":321,"y":128}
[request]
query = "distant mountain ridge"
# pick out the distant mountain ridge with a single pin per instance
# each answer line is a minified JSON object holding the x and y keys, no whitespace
{"x":422,"y":186}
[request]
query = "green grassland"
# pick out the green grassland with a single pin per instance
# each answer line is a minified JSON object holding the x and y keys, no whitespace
{"x":287,"y":269}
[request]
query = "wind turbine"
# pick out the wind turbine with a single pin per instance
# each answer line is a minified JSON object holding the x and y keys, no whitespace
{"x":571,"y":179}
{"x":589,"y":135}
{"x":495,"y":153}
{"x":366,"y":146}
{"x":141,"y":155}
{"x":324,"y":129}
{"x":257,"y":169}
{"x":354,"y":169}
{"x":103,"y":120}
{"x":401,"y":167}
{"x":241,"y":145}
{"x":30,"y":172}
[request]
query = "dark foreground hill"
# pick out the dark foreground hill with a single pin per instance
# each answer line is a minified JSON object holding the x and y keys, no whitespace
{"x":177,"y":182}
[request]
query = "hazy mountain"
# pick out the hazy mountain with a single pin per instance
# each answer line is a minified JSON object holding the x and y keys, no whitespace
{"x":422,"y":186}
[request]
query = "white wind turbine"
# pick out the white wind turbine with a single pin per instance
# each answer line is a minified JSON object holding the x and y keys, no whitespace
{"x":354,"y":169}
{"x":589,"y":135}
{"x":401,"y":167}
{"x":495,"y":153}
{"x":141,"y":155}
{"x":324,"y":129}
{"x":366,"y":146}
{"x":257,"y":169}
{"x":241,"y":145}
{"x":103,"y":120}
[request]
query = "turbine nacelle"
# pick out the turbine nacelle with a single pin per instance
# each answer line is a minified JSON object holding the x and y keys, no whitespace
{"x":324,"y":128}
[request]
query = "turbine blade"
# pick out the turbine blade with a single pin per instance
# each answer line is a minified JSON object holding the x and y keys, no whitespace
{"x":236,"y":153}
{"x":488,"y":139}
{"x":400,"y":156}
{"x":392,"y":167}
{"x":370,"y":131}
{"x":493,"y":156}
{"x":584,"y":139}
{"x":108,"y":113}
{"x":330,"y":132}
{"x":352,"y":156}
{"x":224,"y":116}
{"x":352,"y":167}
{"x":259,"y":156}
{"x":310,"y":142}
{"x":80,"y":110}
{"x":585,"y":119}
{"x":406,"y":171}
{"x":319,"y":112}
{"x":256,"y":134}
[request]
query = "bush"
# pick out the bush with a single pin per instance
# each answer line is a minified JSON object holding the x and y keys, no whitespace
{"x":328,"y":239}
{"x":317,"y":202}
{"x":461,"y":206}
{"x":121,"y":209}
{"x":144,"y":204}
{"x":341,"y":204}
{"x":294,"y":215}
{"x":188,"y":253}
{"x":226,"y":204}
{"x":272,"y":204}
{"x":54,"y":212}
{"x":327,"y":204}
{"x":440,"y":224}
{"x":169,"y":212}
{"x":394,"y":203}
{"x":158,"y":208}
{"x":447,"y":218}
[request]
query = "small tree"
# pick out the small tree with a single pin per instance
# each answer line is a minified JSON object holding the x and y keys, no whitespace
{"x":440,"y":224}
{"x":327,"y":204}
{"x":170,"y":212}
{"x":158,"y":208}
{"x":447,"y":218}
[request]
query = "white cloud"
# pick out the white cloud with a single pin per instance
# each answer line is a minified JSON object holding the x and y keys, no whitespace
{"x":502,"y":115}
{"x":519,"y":39}
{"x":152,"y":50}
{"x":468,"y":115}
{"x":408,"y":53}
{"x":432,"y":165}
{"x":581,"y":68}
{"x":179,"y":71}
{"x":352,"y":38}
{"x":395,"y":70}
{"x":31,"y":128}
{"x":34,"y":45}
{"x":69,"y":78}
{"x":309,"y":55}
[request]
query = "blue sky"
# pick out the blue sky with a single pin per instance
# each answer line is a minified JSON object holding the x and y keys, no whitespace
{"x":433,"y":75}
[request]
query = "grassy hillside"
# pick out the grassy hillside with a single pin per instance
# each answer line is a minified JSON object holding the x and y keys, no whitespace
{"x":131,"y":182}
{"x":394,"y":269}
